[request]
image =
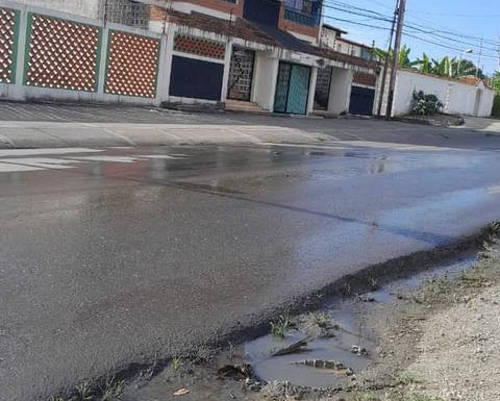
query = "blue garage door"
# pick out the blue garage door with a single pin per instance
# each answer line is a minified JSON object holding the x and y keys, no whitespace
{"x":196,"y":78}
{"x":362,"y":101}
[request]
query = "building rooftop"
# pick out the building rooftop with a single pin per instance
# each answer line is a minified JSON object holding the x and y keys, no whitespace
{"x":332,"y":28}
{"x":265,"y":35}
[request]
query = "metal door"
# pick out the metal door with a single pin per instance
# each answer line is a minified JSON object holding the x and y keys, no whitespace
{"x":292,"y":89}
{"x":322,"y":93}
{"x":362,"y":101}
{"x":241,"y":74}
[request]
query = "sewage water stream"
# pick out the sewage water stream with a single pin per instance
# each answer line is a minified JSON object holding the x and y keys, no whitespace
{"x":346,"y":315}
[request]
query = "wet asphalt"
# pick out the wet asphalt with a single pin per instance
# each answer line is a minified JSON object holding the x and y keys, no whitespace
{"x":113,"y":256}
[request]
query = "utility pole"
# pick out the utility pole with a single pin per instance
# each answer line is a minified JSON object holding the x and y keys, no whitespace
{"x":394,"y":66}
{"x":498,"y":51}
{"x":386,"y":63}
{"x":479,"y":58}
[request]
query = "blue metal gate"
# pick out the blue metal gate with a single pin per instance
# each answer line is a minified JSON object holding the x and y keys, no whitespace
{"x":362,"y":101}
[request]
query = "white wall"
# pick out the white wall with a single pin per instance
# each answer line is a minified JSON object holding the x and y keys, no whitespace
{"x":18,"y":91}
{"x":457,"y":97}
{"x":84,"y":8}
{"x":265,"y":75}
{"x":340,"y":91}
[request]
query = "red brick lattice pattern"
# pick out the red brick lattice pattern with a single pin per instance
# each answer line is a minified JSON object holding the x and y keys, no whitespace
{"x":199,"y":46}
{"x":7,"y":27}
{"x":132,"y":65}
{"x":62,"y":54}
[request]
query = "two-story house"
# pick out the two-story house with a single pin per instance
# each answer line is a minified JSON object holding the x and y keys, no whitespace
{"x":364,"y":84}
{"x":274,"y":56}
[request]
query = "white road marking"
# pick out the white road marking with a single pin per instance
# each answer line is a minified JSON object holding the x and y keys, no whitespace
{"x":14,"y":168}
{"x":160,"y":156}
{"x":293,"y":145}
{"x":42,"y":162}
{"x":48,"y":151}
{"x":398,"y":146}
{"x":116,"y":159}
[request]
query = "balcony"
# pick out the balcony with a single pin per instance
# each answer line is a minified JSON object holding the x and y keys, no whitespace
{"x":304,"y":12}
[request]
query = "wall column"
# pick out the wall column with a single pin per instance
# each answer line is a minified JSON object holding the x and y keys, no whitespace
{"x":312,"y":89}
{"x":340,"y":91}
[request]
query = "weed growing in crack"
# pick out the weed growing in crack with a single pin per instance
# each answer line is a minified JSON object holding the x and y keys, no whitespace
{"x":112,"y":390}
{"x":56,"y":398}
{"x":83,"y":392}
{"x":280,"y":327}
{"x":176,"y":362}
{"x":320,"y":319}
{"x":372,"y":281}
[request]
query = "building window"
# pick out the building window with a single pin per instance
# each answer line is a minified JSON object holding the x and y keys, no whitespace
{"x":366,"y":53}
{"x":305,"y":12}
{"x":127,"y":12}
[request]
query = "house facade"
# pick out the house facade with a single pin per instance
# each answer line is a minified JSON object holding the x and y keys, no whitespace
{"x":364,"y":84}
{"x":250,"y":55}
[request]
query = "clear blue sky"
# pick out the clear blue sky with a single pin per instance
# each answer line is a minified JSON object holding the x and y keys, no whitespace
{"x":467,"y":21}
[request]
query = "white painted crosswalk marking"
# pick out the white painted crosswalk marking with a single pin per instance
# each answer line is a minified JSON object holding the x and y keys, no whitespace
{"x":19,"y":160}
{"x":14,"y":168}
{"x":47,"y":151}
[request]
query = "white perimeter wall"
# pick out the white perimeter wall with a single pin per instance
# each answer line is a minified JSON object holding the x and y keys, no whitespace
{"x":458,"y":98}
{"x":84,"y":8}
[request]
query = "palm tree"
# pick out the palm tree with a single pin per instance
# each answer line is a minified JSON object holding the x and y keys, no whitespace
{"x":403,"y":59}
{"x":424,"y":64}
{"x":443,"y":67}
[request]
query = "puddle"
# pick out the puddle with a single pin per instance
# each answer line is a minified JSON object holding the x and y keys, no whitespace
{"x":349,"y":331}
{"x":292,"y":367}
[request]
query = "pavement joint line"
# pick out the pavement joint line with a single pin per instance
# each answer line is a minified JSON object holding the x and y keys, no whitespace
{"x":128,"y":140}
{"x":7,"y":140}
{"x":238,"y":132}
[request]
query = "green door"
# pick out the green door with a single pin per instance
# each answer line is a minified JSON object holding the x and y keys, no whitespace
{"x":292,"y":89}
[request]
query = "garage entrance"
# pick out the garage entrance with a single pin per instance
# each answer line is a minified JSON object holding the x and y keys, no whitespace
{"x":362,"y":101}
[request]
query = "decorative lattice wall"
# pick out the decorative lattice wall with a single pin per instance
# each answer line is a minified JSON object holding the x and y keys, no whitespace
{"x":132,"y":65}
{"x":62,"y":54}
{"x":199,"y":46}
{"x":8,"y":44}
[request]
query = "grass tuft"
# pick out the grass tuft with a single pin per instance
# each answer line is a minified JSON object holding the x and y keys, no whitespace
{"x":112,"y":390}
{"x":176,"y":362}
{"x":280,"y":327}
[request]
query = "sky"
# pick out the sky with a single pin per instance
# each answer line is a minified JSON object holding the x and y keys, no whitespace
{"x":453,"y":25}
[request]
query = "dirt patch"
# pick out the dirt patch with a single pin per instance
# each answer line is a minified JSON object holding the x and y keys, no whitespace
{"x":437,"y":120}
{"x":441,"y":341}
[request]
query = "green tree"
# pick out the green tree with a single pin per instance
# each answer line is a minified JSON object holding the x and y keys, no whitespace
{"x":424,"y":64}
{"x":403,"y":59}
{"x":495,"y":82}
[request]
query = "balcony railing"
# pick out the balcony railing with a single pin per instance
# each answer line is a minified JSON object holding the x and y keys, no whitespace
{"x":304,"y":12}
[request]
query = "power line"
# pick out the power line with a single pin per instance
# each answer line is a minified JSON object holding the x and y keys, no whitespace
{"x":437,"y":33}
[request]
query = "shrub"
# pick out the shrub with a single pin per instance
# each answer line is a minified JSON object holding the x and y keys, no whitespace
{"x":425,"y":104}
{"x":496,"y":106}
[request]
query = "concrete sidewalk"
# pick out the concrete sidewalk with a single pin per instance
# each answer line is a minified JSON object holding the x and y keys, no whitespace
{"x":16,"y":134}
{"x":35,"y":125}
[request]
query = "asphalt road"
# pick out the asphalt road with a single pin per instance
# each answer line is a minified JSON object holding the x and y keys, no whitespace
{"x":110,"y":256}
